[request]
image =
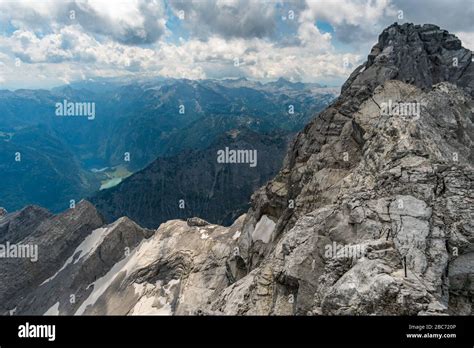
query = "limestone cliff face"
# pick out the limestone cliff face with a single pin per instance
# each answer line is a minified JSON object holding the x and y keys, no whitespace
{"x":372,"y":213}
{"x":398,"y":185}
{"x":332,"y":145}
{"x":407,"y":200}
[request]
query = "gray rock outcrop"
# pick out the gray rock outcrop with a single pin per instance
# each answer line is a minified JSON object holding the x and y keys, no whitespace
{"x":397,"y":187}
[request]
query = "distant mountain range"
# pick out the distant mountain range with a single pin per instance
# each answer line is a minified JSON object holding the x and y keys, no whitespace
{"x":135,"y":122}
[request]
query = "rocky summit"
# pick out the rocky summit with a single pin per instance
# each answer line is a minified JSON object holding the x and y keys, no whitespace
{"x":372,"y":213}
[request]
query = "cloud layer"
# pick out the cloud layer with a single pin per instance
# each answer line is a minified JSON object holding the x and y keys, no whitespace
{"x":54,"y":42}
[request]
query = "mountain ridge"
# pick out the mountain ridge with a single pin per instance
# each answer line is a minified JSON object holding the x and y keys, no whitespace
{"x":393,"y":188}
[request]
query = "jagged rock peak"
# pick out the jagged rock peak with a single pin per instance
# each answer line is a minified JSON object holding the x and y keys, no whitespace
{"x":422,"y":55}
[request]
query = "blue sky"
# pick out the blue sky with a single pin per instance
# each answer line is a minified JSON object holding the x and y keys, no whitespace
{"x":45,"y":43}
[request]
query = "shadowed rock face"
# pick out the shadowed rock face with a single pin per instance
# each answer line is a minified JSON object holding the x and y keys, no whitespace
{"x":419,"y":55}
{"x":54,"y":237}
{"x":16,"y":226}
{"x":365,"y":193}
